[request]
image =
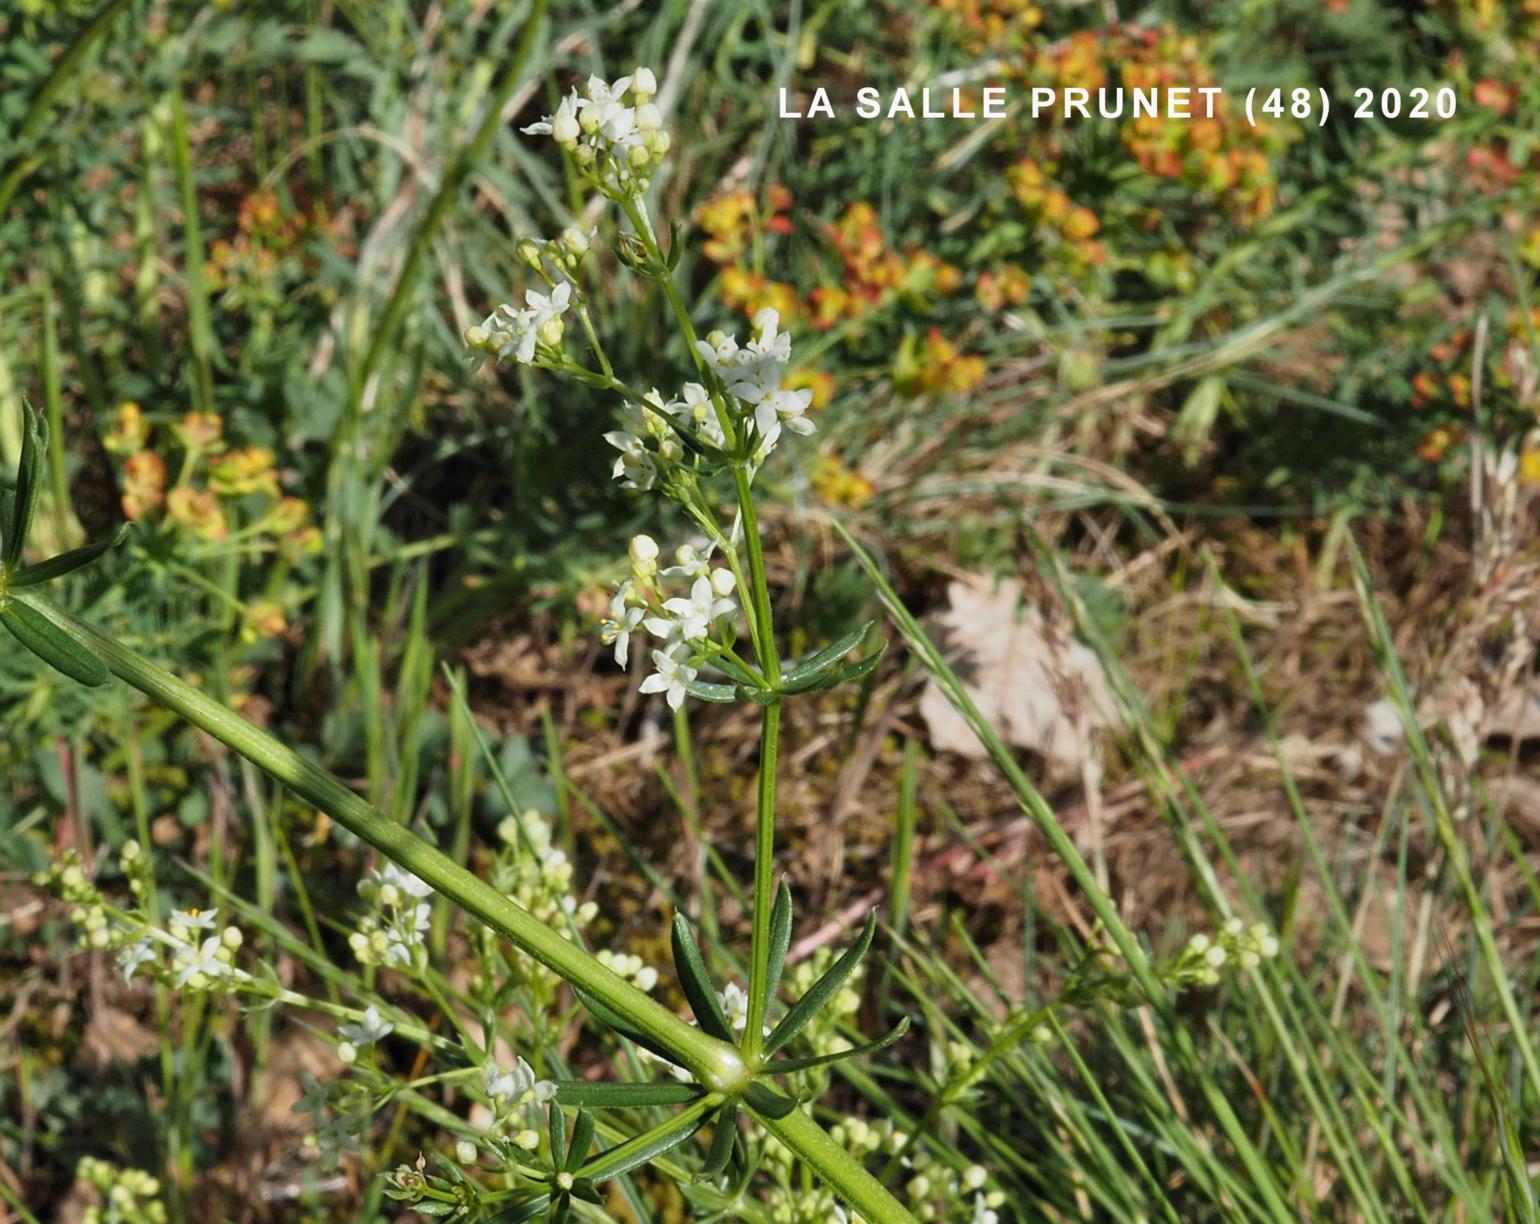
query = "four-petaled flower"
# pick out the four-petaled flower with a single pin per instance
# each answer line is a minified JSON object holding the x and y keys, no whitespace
{"x":673,"y":677}
{"x":368,"y":1030}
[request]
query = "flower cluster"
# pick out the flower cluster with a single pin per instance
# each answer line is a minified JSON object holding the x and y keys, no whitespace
{"x":202,"y":953}
{"x":1205,"y":955}
{"x":393,"y":934}
{"x":128,"y":1196}
{"x":689,"y":628}
{"x":537,"y":874}
{"x":613,"y":131}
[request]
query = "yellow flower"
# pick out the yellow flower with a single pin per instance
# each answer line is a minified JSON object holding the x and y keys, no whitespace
{"x":128,"y":432}
{"x":249,"y":470}
{"x":263,"y":619}
{"x":197,"y":511}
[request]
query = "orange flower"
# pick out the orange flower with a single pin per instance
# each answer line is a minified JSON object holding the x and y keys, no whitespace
{"x":200,"y":431}
{"x":144,"y":485}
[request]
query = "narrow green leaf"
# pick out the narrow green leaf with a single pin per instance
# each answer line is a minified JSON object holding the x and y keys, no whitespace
{"x":721,"y":1143}
{"x":51,"y":644}
{"x":562,"y":1211}
{"x":691,"y":969}
{"x":725,"y":694}
{"x":835,"y":675}
{"x":29,"y":484}
{"x":765,"y":1101}
{"x":780,"y":939}
{"x":832,"y":653}
{"x":519,"y":1213}
{"x":68,"y":562}
{"x":582,"y":1140}
{"x":860,"y":1051}
{"x":625,"y":1096}
{"x":648,"y":1146}
{"x":821,"y":991}
{"x":557,"y":1128}
{"x":584,"y":1189}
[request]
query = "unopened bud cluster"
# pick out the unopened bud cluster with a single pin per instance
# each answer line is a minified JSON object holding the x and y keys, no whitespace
{"x":1205,"y":955}
{"x":128,"y":1196}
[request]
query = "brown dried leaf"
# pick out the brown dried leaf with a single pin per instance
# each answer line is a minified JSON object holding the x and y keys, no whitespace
{"x":1041,"y":690}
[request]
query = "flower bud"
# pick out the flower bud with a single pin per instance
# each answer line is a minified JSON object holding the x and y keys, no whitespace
{"x":575,"y":242}
{"x":465,"y":1152}
{"x":639,"y":157}
{"x":723,"y":582}
{"x":551,"y":332}
{"x":644,"y":552}
{"x":644,"y":84}
{"x":231,"y":937}
{"x":529,"y":1140}
{"x":529,"y":251}
{"x":347,"y":1053}
{"x":649,"y":118}
{"x":564,"y":126}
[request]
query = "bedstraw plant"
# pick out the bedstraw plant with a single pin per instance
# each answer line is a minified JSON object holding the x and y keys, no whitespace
{"x":700,"y":621}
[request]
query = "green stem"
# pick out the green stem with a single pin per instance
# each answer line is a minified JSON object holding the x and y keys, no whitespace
{"x":769,"y":753}
{"x":714,"y":1063}
{"x":838,"y":1168}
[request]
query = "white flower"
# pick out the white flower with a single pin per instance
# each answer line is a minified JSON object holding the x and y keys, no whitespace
{"x":369,"y":1030}
{"x":517,"y":1088}
{"x":135,"y":954}
{"x":625,"y":615}
{"x":206,"y":962}
{"x":692,"y":617}
{"x":672,"y":677}
{"x":562,"y":126}
{"x":778,"y":407}
{"x":735,"y":1002}
{"x":719,"y":351}
{"x":695,"y":409}
{"x":194,"y":920}
{"x":690,"y":563}
{"x":981,"y":1212}
{"x":393,"y":885}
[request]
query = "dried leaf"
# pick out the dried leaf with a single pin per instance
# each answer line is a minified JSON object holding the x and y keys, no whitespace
{"x":1041,"y":691}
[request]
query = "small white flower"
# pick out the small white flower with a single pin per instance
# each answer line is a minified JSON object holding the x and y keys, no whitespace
{"x":206,"y":962}
{"x":693,"y":616}
{"x":981,"y":1212}
{"x":719,"y":351}
{"x":194,"y":919}
{"x":518,"y":1087}
{"x":735,"y":1002}
{"x":625,"y":615}
{"x":673,"y":677}
{"x":139,"y":953}
{"x":369,"y":1030}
